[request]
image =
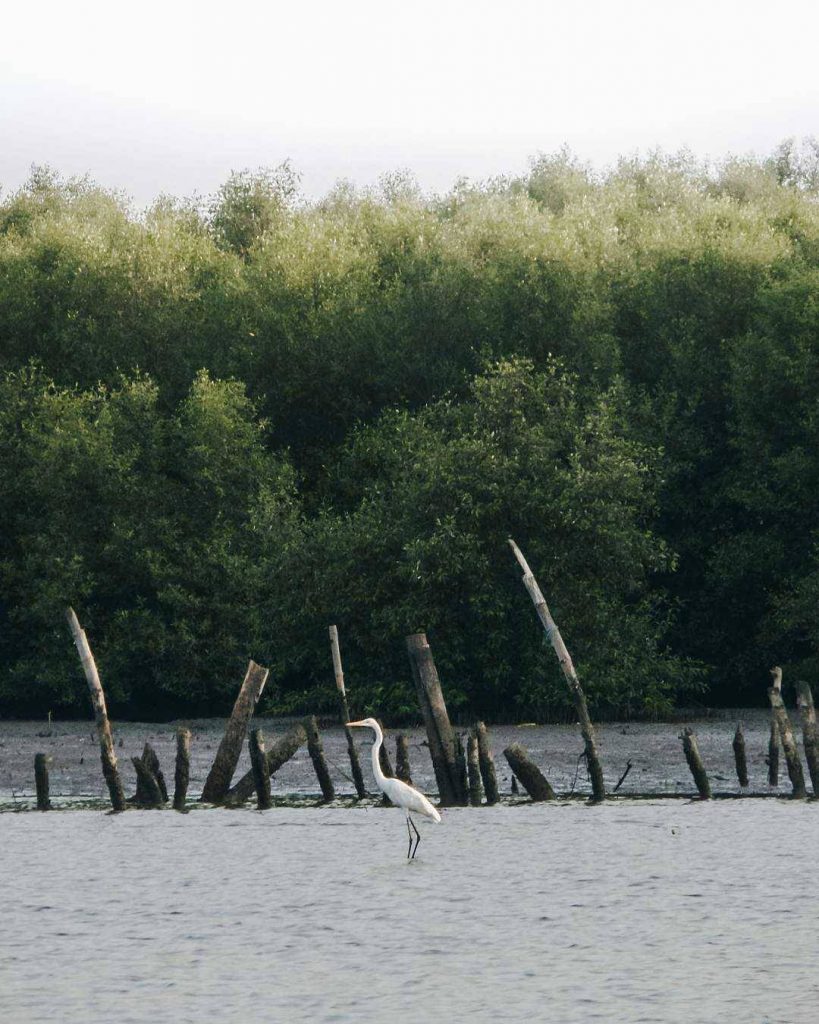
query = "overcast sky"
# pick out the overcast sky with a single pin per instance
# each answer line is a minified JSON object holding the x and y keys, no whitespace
{"x":170,"y":96}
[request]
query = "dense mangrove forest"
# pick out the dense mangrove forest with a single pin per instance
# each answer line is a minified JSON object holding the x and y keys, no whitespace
{"x":227,"y":423}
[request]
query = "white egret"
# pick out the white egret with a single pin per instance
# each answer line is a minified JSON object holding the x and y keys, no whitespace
{"x":399,"y":792}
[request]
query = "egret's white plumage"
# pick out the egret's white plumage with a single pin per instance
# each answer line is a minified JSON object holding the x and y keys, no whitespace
{"x":401,"y":794}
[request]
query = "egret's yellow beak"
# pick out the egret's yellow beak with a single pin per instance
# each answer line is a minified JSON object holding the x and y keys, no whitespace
{"x":350,"y":725}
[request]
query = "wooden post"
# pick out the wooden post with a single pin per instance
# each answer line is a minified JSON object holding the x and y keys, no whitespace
{"x":261,"y":772}
{"x":531,"y":777}
{"x":514,"y":786}
{"x":224,"y":764}
{"x":317,"y":756}
{"x":463,"y":776}
{"x":783,"y":723}
{"x":569,"y":673}
{"x":355,"y":765}
{"x":183,"y":768}
{"x":148,"y":792}
{"x":436,"y":719}
{"x":739,"y":756}
{"x":145,"y":796}
{"x":278,"y":754}
{"x":805,"y":701}
{"x":402,"y":762}
{"x":41,"y":762}
{"x":107,"y":755}
{"x":473,"y":768}
{"x":487,"y":764}
{"x":692,"y":756}
{"x":773,"y":754}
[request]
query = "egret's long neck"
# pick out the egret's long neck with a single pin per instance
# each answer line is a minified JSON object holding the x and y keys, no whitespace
{"x":380,"y":778}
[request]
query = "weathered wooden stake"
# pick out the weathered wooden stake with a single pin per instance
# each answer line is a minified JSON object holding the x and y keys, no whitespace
{"x":739,"y":756}
{"x":402,"y":761}
{"x":773,"y":754}
{"x":317,"y":756}
{"x":569,"y":673}
{"x":487,"y":765}
{"x":436,"y":719}
{"x":41,"y":763}
{"x":107,"y":755}
{"x":182,"y":772}
{"x":463,"y":776}
{"x":808,"y":712}
{"x":279,"y":753}
{"x":692,"y":756}
{"x":355,"y":765}
{"x":473,"y":767}
{"x":261,"y":773}
{"x":783,"y":723}
{"x":531,"y":777}
{"x":148,"y":792}
{"x":224,"y":764}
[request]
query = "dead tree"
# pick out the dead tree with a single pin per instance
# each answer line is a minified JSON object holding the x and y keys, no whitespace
{"x":808,"y":712}
{"x":773,"y":754}
{"x":182,"y":771}
{"x":740,"y":759}
{"x":316,"y":751}
{"x":224,"y":764}
{"x":279,"y":753}
{"x":148,"y":792}
{"x":41,"y":762}
{"x":783,"y":723}
{"x":145,"y":797}
{"x":463,"y":776}
{"x":355,"y":765}
{"x":692,"y":756}
{"x":531,"y":777}
{"x":474,"y":770}
{"x":261,"y":772}
{"x":107,"y":755}
{"x":487,"y":765}
{"x":569,"y":673}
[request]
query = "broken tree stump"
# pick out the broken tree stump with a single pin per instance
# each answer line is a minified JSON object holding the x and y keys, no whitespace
{"x":692,"y":756}
{"x":106,"y":740}
{"x":463,"y":775}
{"x":260,"y":769}
{"x":148,"y":793}
{"x":439,"y":730}
{"x":224,"y":764}
{"x":740,"y":759}
{"x":474,"y":771}
{"x":531,"y":777}
{"x":402,"y":761}
{"x":487,"y":764}
{"x":569,"y":674}
{"x":808,"y":712}
{"x":281,"y":752}
{"x":143,"y":797}
{"x":316,"y":751}
{"x":41,"y":762}
{"x":182,"y":772}
{"x":794,"y":765}
{"x":352,"y":753}
{"x":773,"y":754}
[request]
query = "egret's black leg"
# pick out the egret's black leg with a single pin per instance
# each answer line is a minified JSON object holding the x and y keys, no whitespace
{"x":418,"y":836}
{"x":409,"y":848}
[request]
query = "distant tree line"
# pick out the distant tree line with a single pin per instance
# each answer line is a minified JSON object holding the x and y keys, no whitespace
{"x":226,"y":425}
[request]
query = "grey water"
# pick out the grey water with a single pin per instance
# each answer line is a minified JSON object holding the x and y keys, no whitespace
{"x":638,"y":911}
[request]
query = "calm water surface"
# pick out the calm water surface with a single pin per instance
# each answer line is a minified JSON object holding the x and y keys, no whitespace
{"x":659,"y":911}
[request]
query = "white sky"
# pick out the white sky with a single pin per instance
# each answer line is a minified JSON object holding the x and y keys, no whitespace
{"x":170,"y":96}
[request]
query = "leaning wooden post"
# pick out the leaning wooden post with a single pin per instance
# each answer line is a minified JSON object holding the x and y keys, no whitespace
{"x":148,"y":792}
{"x":487,"y":765}
{"x":402,"y":761}
{"x":692,"y":756}
{"x":107,"y":755}
{"x":740,"y":759}
{"x":281,"y":752}
{"x":41,"y":762}
{"x":317,"y":756}
{"x":182,"y":772}
{"x":474,"y":770}
{"x":569,"y":673}
{"x":783,"y":723}
{"x":436,"y":719}
{"x":531,"y":777}
{"x":224,"y":764}
{"x":805,"y":700}
{"x":773,"y":754}
{"x":261,"y":773}
{"x":355,"y":765}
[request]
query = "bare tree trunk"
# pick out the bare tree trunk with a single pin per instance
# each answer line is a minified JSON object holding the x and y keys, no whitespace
{"x":569,"y":673}
{"x":436,"y":719}
{"x":107,"y":755}
{"x":531,"y":777}
{"x":41,"y":762}
{"x":773,"y":754}
{"x":809,"y":733}
{"x":317,"y":756}
{"x":183,"y":768}
{"x":217,"y":783}
{"x":487,"y":765}
{"x":463,"y":777}
{"x":402,"y":761}
{"x":261,"y":772}
{"x":692,"y":756}
{"x":151,"y":762}
{"x":783,"y":723}
{"x":355,"y":765}
{"x":739,"y":756}
{"x":473,"y":768}
{"x":279,"y":754}
{"x":148,"y":792}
